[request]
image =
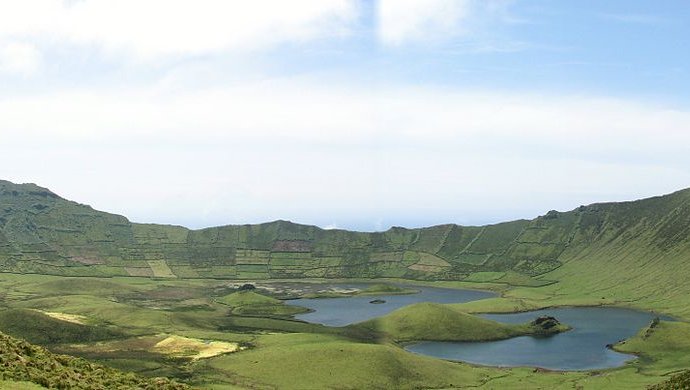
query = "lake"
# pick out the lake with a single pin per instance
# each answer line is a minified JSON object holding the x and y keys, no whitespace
{"x":350,"y":310}
{"x":582,"y":348}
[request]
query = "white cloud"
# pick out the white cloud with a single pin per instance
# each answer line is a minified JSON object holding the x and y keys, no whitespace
{"x":153,"y":28}
{"x":19,"y":58}
{"x":314,"y":111}
{"x":400,"y":21}
{"x":318,"y":152}
{"x":203,"y":148}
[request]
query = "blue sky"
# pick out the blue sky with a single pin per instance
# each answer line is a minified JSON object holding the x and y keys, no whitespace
{"x":351,"y":114}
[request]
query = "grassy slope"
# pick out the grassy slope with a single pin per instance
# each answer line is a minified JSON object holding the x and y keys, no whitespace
{"x":304,"y":361}
{"x":20,"y":385}
{"x":43,"y":233}
{"x":331,"y":362}
{"x":662,"y":348}
{"x":630,"y":252}
{"x":437,"y":322}
{"x":280,"y":349}
{"x":247,"y":298}
{"x":250,"y":303}
{"x":39,"y":328}
{"x":23,"y":362}
{"x":676,"y":382}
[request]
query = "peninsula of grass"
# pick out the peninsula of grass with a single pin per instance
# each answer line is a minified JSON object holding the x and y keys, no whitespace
{"x":438,"y":322}
{"x":386,"y":289}
{"x":250,"y":303}
{"x":374,"y":289}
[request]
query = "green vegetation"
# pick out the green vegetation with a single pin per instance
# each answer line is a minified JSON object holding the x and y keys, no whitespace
{"x":436,"y":322}
{"x":333,"y":362}
{"x":676,"y":382}
{"x":39,"y":328}
{"x":374,"y":289}
{"x":119,"y":288}
{"x":663,"y":346}
{"x":386,"y":289}
{"x":249,"y":303}
{"x":23,"y":362}
{"x":602,"y":253}
{"x":15,"y":385}
{"x":147,"y":312}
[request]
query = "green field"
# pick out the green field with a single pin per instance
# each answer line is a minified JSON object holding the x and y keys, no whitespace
{"x":124,"y":319}
{"x":148,"y":299}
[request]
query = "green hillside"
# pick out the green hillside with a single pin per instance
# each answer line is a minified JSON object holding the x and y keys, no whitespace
{"x":39,"y":328}
{"x":636,"y":250}
{"x":437,"y":322}
{"x":24,"y":366}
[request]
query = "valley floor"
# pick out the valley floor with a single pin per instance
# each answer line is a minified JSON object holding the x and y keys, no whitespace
{"x":204,"y":333}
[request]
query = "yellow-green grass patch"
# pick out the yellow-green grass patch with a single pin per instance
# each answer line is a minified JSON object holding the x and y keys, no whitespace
{"x":194,"y":348}
{"x":160,"y":269}
{"x":73,"y":318}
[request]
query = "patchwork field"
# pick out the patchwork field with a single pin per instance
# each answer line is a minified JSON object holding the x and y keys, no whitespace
{"x":166,"y":301}
{"x":215,"y":334}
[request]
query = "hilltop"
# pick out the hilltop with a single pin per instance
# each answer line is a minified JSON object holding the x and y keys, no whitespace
{"x":412,"y":323}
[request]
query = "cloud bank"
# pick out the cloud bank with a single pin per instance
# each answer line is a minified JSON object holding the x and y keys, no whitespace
{"x":154,"y":28}
{"x":213,"y":112}
{"x":296,"y":149}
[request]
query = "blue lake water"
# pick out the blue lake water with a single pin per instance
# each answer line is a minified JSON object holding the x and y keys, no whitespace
{"x":582,"y":348}
{"x":350,"y":310}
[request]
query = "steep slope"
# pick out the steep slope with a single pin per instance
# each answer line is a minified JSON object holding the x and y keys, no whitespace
{"x":637,"y":252}
{"x":43,"y":233}
{"x":24,"y":362}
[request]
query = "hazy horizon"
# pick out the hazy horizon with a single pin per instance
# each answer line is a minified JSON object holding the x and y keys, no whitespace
{"x":351,"y":114}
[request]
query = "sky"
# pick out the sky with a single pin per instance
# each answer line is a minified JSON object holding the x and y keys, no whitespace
{"x":345,"y":114}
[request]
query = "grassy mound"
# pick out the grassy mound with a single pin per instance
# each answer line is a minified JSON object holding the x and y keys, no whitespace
{"x":247,"y":298}
{"x":676,"y":382}
{"x":39,"y":328}
{"x":23,"y":362}
{"x":437,"y":322}
{"x":250,"y":303}
{"x":307,"y":361}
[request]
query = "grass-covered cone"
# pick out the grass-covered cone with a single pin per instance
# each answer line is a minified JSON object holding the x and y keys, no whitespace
{"x":438,"y":322}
